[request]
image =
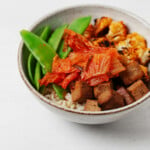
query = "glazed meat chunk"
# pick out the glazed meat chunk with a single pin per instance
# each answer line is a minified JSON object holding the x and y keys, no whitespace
{"x":123,"y":92}
{"x":91,"y":105}
{"x":132,"y":73}
{"x":103,"y":92}
{"x":115,"y":102}
{"x":81,"y":92}
{"x":138,"y":89}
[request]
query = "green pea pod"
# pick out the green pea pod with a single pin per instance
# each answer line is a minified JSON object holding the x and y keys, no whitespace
{"x":59,"y":91}
{"x":54,"y":41}
{"x":43,"y":52}
{"x":45,"y":34}
{"x":37,"y":75}
{"x":79,"y":25}
{"x":31,"y":65}
{"x":56,"y":37}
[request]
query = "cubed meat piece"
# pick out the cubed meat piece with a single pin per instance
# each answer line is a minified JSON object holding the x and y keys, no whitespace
{"x":81,"y":92}
{"x":117,"y":83}
{"x":103,"y":92}
{"x":123,"y":92}
{"x":91,"y":105}
{"x":132,"y":73}
{"x":138,"y":89}
{"x":115,"y":102}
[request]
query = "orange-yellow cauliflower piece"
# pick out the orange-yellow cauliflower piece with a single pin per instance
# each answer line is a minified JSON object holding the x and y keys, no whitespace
{"x":136,"y":40}
{"x":133,"y":40}
{"x":117,"y":31}
{"x":101,"y":24}
{"x":141,"y":54}
{"x":145,"y":58}
{"x":135,"y":48}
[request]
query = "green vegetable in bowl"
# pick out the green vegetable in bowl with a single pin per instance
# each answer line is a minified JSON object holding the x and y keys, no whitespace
{"x":31,"y":65}
{"x":37,"y":75}
{"x":46,"y":33}
{"x":56,"y":37}
{"x":59,"y":91}
{"x":42,"y":51}
{"x":34,"y":69}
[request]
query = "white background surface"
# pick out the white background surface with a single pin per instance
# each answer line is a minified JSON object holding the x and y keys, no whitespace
{"x":24,"y":123}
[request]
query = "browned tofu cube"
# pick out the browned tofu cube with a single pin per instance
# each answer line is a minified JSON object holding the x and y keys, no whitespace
{"x":103,"y":92}
{"x":132,"y":73}
{"x":81,"y":92}
{"x":123,"y":92}
{"x":91,"y":105}
{"x":138,"y":89}
{"x":115,"y":102}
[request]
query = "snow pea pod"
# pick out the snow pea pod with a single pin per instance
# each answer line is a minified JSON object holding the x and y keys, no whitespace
{"x":30,"y":66}
{"x":56,"y":37}
{"x":54,"y":41}
{"x":38,"y":68}
{"x":46,"y":32}
{"x":78,"y":25}
{"x":37,"y":75}
{"x":33,"y":67}
{"x":59,"y":91}
{"x":42,"y":51}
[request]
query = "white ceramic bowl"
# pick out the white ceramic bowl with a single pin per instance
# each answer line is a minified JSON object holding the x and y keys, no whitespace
{"x":66,"y":16}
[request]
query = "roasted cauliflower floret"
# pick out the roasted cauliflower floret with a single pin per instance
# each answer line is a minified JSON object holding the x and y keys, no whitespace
{"x":141,"y":54}
{"x":121,"y":45}
{"x":134,"y":48}
{"x":102,"y":24}
{"x":135,"y":40}
{"x":102,"y":42}
{"x":117,"y":31}
{"x":145,"y":58}
{"x":130,"y":54}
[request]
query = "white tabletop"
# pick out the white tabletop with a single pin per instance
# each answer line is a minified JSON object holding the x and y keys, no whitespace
{"x":24,"y":123}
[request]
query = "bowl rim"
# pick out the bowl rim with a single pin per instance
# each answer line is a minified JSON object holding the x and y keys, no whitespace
{"x":49,"y":102}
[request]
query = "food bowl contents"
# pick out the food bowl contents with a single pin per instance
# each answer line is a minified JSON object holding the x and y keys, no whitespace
{"x":89,"y":67}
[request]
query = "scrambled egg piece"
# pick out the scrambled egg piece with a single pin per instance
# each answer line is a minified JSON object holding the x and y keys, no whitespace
{"x":101,"y":24}
{"x":117,"y":31}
